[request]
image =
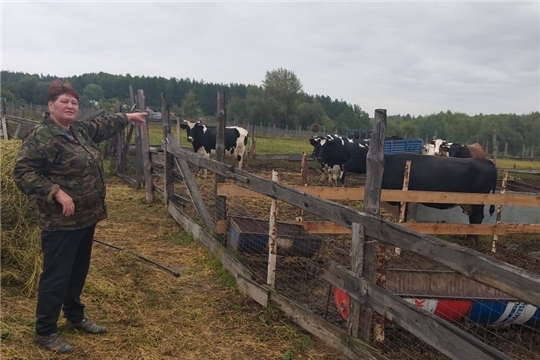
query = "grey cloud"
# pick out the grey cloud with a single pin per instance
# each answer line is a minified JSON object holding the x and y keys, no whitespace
{"x":412,"y":58}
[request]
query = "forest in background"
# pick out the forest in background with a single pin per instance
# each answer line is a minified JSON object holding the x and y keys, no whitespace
{"x":279,"y":101}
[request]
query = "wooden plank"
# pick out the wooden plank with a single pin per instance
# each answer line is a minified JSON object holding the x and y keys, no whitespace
{"x":439,"y":284}
{"x":357,"y":194}
{"x":436,"y":332}
{"x":329,"y":227}
{"x":194,"y":194}
{"x":255,"y":291}
{"x":478,"y":229}
{"x":330,"y":334}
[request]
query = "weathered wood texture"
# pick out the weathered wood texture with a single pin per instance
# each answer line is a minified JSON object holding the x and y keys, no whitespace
{"x":439,"y":284}
{"x":167,"y":159}
{"x":357,"y":194}
{"x":220,"y":201}
{"x":145,"y":144}
{"x":443,"y":336}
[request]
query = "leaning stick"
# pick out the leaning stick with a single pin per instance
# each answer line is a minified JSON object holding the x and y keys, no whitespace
{"x":174,"y":272}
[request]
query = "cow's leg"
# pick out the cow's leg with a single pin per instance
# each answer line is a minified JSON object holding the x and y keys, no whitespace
{"x":342,"y":177}
{"x":475,"y":217}
{"x":324,"y":173}
{"x":239,"y":159}
{"x":336,"y":173}
{"x":205,"y":171}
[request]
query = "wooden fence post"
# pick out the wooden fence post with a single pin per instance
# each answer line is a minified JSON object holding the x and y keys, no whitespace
{"x":403,"y":206}
{"x":221,"y":201}
{"x":168,"y":181}
{"x":3,"y":123}
{"x":145,"y":151}
{"x":499,"y":212}
{"x":371,"y":205}
{"x":19,"y":124}
{"x":272,"y":240}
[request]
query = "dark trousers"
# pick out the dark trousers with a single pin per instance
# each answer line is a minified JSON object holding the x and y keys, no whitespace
{"x":66,"y":259}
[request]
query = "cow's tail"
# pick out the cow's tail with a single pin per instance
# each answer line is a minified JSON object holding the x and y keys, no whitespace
{"x":492,"y":207}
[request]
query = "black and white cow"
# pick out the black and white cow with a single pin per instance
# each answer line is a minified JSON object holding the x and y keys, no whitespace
{"x":317,"y":142}
{"x":332,"y":151}
{"x":435,"y":173}
{"x":437,"y":147}
{"x":203,"y":139}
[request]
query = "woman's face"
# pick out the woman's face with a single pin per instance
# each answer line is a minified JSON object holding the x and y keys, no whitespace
{"x":65,"y":109}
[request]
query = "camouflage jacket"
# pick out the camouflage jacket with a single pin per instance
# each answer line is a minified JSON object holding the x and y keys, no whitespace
{"x":51,"y":158}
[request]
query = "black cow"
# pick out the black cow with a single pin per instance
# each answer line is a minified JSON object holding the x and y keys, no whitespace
{"x":203,"y":139}
{"x":435,"y":173}
{"x":333,"y":151}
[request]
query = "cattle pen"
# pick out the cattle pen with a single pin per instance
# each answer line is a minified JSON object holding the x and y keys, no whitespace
{"x":324,"y":255}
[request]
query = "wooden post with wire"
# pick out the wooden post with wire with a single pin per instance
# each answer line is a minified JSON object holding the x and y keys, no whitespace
{"x":145,"y":152}
{"x":403,"y":205}
{"x":499,"y":212}
{"x":303,"y":171}
{"x":272,"y":239}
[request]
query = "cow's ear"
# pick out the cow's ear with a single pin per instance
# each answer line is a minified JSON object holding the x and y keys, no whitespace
{"x":313,"y":142}
{"x":432,"y":142}
{"x":198,"y":121}
{"x":184,"y":120}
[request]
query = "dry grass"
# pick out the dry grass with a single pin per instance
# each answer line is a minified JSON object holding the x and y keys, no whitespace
{"x":19,"y":234}
{"x":150,"y":313}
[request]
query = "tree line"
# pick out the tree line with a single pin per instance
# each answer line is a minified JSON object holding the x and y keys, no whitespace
{"x":278,"y":101}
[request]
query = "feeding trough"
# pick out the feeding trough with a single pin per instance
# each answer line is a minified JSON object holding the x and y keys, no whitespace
{"x":251,"y":236}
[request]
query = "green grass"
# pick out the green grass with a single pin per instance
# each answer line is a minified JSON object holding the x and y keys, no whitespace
{"x":518,"y":164}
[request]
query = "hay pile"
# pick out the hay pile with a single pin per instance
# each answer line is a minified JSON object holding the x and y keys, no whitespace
{"x":20,"y":236}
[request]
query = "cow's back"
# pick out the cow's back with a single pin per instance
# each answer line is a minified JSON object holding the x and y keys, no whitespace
{"x":434,"y":173}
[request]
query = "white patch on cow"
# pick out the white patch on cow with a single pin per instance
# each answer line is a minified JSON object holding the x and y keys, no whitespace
{"x":434,"y":147}
{"x":240,"y":148}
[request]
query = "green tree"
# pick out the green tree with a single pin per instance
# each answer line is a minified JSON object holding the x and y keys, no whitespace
{"x":190,"y":106}
{"x":25,"y":87}
{"x":93,"y":92}
{"x":40,"y":94}
{"x":310,"y":113}
{"x":284,"y":86}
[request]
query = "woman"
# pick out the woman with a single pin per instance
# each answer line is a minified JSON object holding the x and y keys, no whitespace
{"x":60,"y":165}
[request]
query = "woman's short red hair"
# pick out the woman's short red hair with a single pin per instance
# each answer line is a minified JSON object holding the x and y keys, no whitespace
{"x":59,"y":88}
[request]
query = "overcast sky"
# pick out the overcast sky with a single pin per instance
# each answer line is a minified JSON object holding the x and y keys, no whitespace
{"x":417,"y":58}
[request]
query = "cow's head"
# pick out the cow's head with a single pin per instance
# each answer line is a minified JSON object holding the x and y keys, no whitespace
{"x":317,"y":142}
{"x":437,"y":147}
{"x":189,"y":125}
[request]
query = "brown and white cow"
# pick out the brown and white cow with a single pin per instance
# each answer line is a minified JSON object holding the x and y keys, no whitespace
{"x":475,"y":151}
